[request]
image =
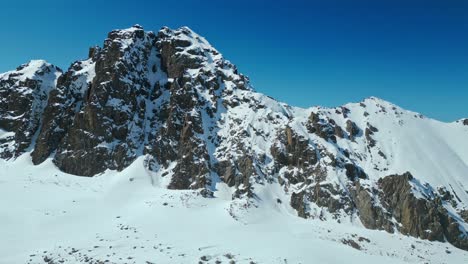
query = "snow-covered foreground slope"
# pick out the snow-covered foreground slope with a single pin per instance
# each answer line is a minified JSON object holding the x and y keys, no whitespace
{"x":49,"y":216}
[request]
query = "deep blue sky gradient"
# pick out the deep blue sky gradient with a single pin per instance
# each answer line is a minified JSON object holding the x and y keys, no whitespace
{"x":412,"y":53}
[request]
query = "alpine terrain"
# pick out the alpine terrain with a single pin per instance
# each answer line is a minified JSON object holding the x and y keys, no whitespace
{"x":185,"y":163}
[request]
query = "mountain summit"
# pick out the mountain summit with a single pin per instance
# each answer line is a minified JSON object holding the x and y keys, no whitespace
{"x":171,"y":98}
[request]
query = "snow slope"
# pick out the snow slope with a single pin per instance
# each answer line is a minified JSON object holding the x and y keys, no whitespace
{"x":124,"y":219}
{"x":434,"y":152}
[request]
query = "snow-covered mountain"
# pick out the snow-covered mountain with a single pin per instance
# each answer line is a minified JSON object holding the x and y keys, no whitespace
{"x":23,"y":96}
{"x":167,"y":107}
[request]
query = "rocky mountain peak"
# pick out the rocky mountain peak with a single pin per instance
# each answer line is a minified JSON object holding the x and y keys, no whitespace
{"x":23,"y":96}
{"x":140,"y":93}
{"x":379,"y":103}
{"x":135,"y":31}
{"x":376,"y":100}
{"x":185,"y":52}
{"x":33,"y":70}
{"x":173,"y":101}
{"x":184,"y":37}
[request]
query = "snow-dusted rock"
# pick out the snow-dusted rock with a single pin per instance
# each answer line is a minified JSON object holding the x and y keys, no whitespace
{"x":171,"y":98}
{"x":23,"y":96}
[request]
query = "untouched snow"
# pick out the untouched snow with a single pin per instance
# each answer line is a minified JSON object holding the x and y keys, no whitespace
{"x":123,"y":218}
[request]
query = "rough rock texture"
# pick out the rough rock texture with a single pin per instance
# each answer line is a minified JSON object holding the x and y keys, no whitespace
{"x":371,"y":214}
{"x":352,"y":129}
{"x":324,"y":128}
{"x":423,"y":217}
{"x":370,"y":130}
{"x":393,"y":205}
{"x":108,"y":127}
{"x":172,"y":98}
{"x":294,"y":152}
{"x":23,"y":96}
{"x":64,"y":101}
{"x":418,"y":217}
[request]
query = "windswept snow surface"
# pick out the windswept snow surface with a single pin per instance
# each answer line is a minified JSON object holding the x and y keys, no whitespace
{"x":48,"y":215}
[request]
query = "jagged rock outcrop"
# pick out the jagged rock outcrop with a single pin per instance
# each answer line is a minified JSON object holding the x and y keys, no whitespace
{"x":295,"y":156}
{"x":352,"y":129}
{"x":371,"y":213}
{"x":396,"y":198}
{"x":172,"y":98}
{"x":23,"y":96}
{"x":63,"y":103}
{"x":423,"y":217}
{"x":108,"y":127}
{"x":324,"y":128}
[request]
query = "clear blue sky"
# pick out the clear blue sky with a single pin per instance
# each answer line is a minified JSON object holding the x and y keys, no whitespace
{"x":412,"y":53}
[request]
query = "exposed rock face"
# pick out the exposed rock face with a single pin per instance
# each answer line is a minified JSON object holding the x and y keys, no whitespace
{"x":108,"y":127}
{"x":323,"y":195}
{"x":424,"y":217}
{"x":352,"y":129}
{"x":370,"y":130}
{"x":142,"y":93}
{"x":23,"y":96}
{"x":172,"y":98}
{"x":324,"y":128}
{"x":371,"y":214}
{"x":63,"y":103}
{"x":294,"y":155}
{"x":418,"y":217}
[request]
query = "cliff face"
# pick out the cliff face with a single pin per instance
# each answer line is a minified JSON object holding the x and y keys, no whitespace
{"x":23,"y":95}
{"x":172,"y":98}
